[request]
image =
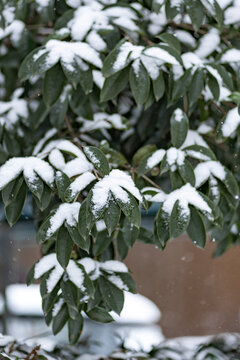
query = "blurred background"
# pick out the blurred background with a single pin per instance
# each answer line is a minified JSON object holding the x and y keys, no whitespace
{"x":197,"y":295}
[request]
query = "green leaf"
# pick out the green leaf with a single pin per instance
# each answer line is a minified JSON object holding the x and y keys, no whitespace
{"x":196,"y":86}
{"x":62,"y":182}
{"x":103,"y":240}
{"x":161,"y":224}
{"x":121,"y":246}
{"x":131,"y":210}
{"x":179,"y":220}
{"x":130,"y":232}
{"x":32,"y":66}
{"x":45,"y":200}
{"x":53,"y":85}
{"x":108,"y":64}
{"x":158,"y":86}
{"x":82,"y":220}
{"x":60,"y":320}
{"x":35,"y":185}
{"x":179,"y":127}
{"x":58,"y":112}
{"x":231,"y":184}
{"x":84,"y":244}
{"x":112,"y":296}
{"x":171,"y":40}
{"x":11,"y":190}
{"x":64,"y":246}
{"x":200,"y":152}
{"x":213,"y":86}
{"x":97,"y":158}
{"x":196,"y":229}
{"x":114,"y":85}
{"x":142,"y":153}
{"x":181,"y":85}
{"x":127,"y":280}
{"x":111,"y":215}
{"x":187,"y":173}
{"x":99,"y":314}
{"x":13,"y":209}
{"x":70,"y":295}
{"x":75,"y":329}
{"x":139,"y":82}
{"x":196,"y":12}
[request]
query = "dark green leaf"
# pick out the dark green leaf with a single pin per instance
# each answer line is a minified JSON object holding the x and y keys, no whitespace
{"x":75,"y":329}
{"x":64,"y":246}
{"x":60,"y":320}
{"x":114,"y":85}
{"x":179,"y":220}
{"x":179,"y":127}
{"x":186,"y":172}
{"x":13,"y":209}
{"x":196,"y":86}
{"x":139,"y":82}
{"x":111,"y":215}
{"x":171,"y":40}
{"x":97,"y":158}
{"x":158,"y":86}
{"x":196,"y":229}
{"x":62,"y":182}
{"x":53,"y":85}
{"x":113,"y":297}
{"x":100,"y":314}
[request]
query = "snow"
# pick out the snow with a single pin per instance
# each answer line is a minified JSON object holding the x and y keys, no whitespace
{"x":232,"y":15}
{"x":187,"y":195}
{"x":114,"y":266}
{"x":77,"y":166}
{"x":161,"y":54}
{"x":102,"y":120}
{"x":96,"y":41}
{"x":100,"y":225}
{"x":190,"y":59}
{"x":114,"y":183}
{"x":156,"y":22}
{"x":43,"y":3}
{"x":14,"y":30}
{"x":57,"y":307}
{"x":49,"y":134}
{"x":175,"y":157}
{"x":44,"y":265}
{"x":231,"y":55}
{"x":98,"y":78}
{"x":197,"y":155}
{"x":91,"y":155}
{"x":178,"y":115}
{"x":117,"y":281}
{"x":88,"y":263}
{"x":56,"y":159}
{"x":14,"y":110}
{"x":204,"y":128}
{"x":208,"y":43}
{"x":126,"y":51}
{"x":23,"y":300}
{"x":152,"y":66}
{"x":231,"y":122}
{"x":6,"y":339}
{"x":54,"y":277}
{"x":30,"y":166}
{"x":193,"y":138}
{"x":81,"y":182}
{"x":203,"y":171}
{"x":65,"y":212}
{"x":155,"y":158}
{"x":67,"y":51}
{"x":185,"y":37}
{"x":76,"y":275}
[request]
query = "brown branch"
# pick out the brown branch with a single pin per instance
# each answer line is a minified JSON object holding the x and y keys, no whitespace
{"x":33,"y":354}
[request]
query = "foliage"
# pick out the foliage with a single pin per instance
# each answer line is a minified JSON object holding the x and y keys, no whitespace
{"x":220,"y":347}
{"x":107,"y":107}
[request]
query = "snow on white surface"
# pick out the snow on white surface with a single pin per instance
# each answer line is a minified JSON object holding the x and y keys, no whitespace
{"x":102,"y":120}
{"x":155,"y":158}
{"x":204,"y":170}
{"x":116,"y":183}
{"x":56,"y":159}
{"x":67,"y":51}
{"x":5,"y":339}
{"x":204,"y":128}
{"x":77,"y":166}
{"x":231,"y":55}
{"x":231,"y":122}
{"x":152,"y":66}
{"x":208,"y":43}
{"x":89,"y":264}
{"x":194,"y":138}
{"x":138,"y":310}
{"x":117,"y":281}
{"x":190,"y":59}
{"x":30,"y":166}
{"x":65,"y":212}
{"x":44,"y":265}
{"x":23,"y":300}
{"x":54,"y":277}
{"x":157,"y":22}
{"x":186,"y":38}
{"x":81,"y":182}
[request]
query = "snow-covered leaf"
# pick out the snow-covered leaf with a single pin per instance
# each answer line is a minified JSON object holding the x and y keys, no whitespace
{"x":179,"y":127}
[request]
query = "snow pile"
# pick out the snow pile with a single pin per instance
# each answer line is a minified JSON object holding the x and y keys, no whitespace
{"x":31,"y":167}
{"x":80,"y":183}
{"x":231,"y":122}
{"x":208,"y":43}
{"x":102,"y":120}
{"x":92,"y":17}
{"x":155,"y":158}
{"x":55,"y":149}
{"x":67,"y":53}
{"x":116,"y":183}
{"x":13,"y":28}
{"x":65,"y":213}
{"x":14,"y":110}
{"x":174,"y":158}
{"x":194,"y":138}
{"x":186,"y":195}
{"x":204,"y":170}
